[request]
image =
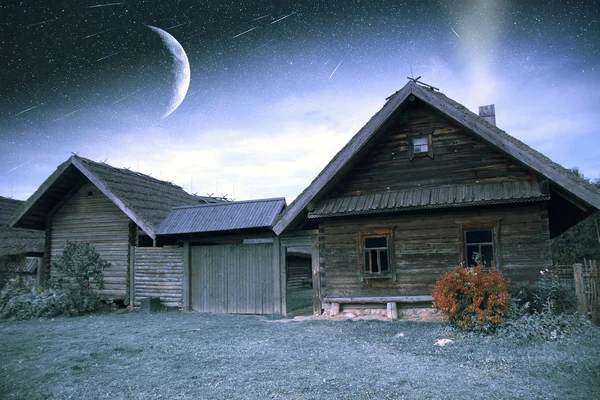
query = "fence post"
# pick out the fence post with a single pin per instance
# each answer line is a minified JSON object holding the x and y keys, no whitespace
{"x":593,"y":278}
{"x":580,"y":289}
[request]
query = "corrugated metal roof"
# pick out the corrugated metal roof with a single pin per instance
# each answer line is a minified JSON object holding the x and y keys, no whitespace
{"x":222,"y":216}
{"x":431,"y":197}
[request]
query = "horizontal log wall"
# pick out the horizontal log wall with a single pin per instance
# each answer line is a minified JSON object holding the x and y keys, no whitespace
{"x":299,"y":270}
{"x":159,"y":273}
{"x":458,"y":158}
{"x":426,"y":245}
{"x":96,"y":220}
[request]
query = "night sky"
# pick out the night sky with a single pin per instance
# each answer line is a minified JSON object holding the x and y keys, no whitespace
{"x":277,"y":88}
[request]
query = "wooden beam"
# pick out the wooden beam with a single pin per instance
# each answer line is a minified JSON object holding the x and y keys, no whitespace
{"x":132,"y":275}
{"x":316,"y":276}
{"x":383,"y":299}
{"x":187,"y":289}
{"x":278,"y":280}
{"x":392,"y":310}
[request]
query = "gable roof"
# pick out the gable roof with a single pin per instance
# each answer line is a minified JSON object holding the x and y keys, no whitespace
{"x":497,"y":138}
{"x":220,"y":217}
{"x":146,"y":200}
{"x":17,"y":240}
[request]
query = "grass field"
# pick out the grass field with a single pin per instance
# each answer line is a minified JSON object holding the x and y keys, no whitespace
{"x":176,"y":355}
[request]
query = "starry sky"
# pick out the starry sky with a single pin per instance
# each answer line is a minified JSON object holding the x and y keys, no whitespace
{"x":278,"y":87}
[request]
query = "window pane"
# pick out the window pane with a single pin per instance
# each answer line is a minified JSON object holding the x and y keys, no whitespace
{"x":383,"y":258}
{"x":473,"y":256}
{"x":374,"y":264}
{"x":420,"y":145}
{"x":484,"y":236}
{"x":367,"y":261}
{"x":487,"y":255}
{"x":375,"y":242}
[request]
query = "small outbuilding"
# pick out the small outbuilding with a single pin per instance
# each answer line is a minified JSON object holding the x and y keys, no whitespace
{"x":21,"y":250}
{"x":116,"y":210}
{"x":231,"y":257}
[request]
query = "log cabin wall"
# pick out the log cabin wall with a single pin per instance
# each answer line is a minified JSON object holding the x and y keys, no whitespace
{"x":89,"y":216}
{"x":457,"y":158}
{"x":159,"y":273}
{"x":427,"y":244}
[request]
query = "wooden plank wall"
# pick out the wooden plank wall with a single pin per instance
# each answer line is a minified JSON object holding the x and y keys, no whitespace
{"x":159,"y":273}
{"x":233,"y":278}
{"x":98,"y":221}
{"x":458,"y":158}
{"x":427,"y":245}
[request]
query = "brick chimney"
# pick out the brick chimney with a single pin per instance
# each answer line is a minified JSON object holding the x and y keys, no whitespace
{"x":488,"y":113}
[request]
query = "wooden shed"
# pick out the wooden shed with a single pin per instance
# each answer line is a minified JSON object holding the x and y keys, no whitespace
{"x":20,"y":249}
{"x":424,"y":186}
{"x":115,"y":210}
{"x":231,"y":258}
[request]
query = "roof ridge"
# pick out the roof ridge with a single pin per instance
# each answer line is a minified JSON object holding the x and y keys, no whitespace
{"x":126,"y":170}
{"x":225,"y":203}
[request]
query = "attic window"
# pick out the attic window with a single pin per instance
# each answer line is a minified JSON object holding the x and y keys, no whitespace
{"x":90,"y":194}
{"x":421,"y":146}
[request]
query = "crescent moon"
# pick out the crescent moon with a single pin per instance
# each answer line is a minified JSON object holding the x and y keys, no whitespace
{"x":181,"y":70}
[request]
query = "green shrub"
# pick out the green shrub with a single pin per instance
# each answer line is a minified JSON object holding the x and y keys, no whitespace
{"x":70,"y":292}
{"x":544,"y":325}
{"x":472,"y":299}
{"x":543,"y":310}
{"x":547,"y":291}
{"x":79,"y":264}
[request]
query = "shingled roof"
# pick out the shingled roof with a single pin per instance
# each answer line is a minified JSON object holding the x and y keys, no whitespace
{"x":218,"y":217}
{"x":17,"y":240}
{"x":562,"y":181}
{"x":144,"y":199}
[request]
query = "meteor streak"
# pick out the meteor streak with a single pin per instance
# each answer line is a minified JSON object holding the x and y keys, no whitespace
{"x":110,"y":55}
{"x":105,"y":5}
{"x":123,"y":98}
{"x":29,"y":109}
{"x":335,"y":69}
{"x":264,"y":16}
{"x":20,"y":165}
{"x":282,"y":18}
{"x":243,"y":33}
{"x":65,"y":116}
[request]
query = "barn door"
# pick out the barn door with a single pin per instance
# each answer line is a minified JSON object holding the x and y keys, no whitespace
{"x":233,"y":278}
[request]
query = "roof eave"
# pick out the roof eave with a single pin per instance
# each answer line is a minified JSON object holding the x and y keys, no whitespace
{"x":26,"y":206}
{"x":517,"y":154}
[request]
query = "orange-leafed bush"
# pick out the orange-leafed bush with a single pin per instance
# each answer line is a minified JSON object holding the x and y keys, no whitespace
{"x":472,"y":299}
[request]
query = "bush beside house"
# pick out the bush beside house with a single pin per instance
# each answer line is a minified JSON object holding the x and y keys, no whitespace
{"x":70,"y":292}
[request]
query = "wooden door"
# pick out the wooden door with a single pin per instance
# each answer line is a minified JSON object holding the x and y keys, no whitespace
{"x":233,"y":278}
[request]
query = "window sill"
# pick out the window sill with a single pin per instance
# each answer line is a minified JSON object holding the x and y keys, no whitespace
{"x":376,"y":277}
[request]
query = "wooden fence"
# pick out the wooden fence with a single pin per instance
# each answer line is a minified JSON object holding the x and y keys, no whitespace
{"x":587,"y":280}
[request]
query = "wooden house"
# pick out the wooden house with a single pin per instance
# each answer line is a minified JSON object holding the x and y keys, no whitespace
{"x":424,"y":186}
{"x":113,"y":209}
{"x":20,"y":249}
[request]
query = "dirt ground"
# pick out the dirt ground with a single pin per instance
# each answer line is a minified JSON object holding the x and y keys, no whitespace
{"x":188,"y":355}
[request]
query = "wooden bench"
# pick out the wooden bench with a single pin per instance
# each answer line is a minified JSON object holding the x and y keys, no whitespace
{"x":392,"y":311}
